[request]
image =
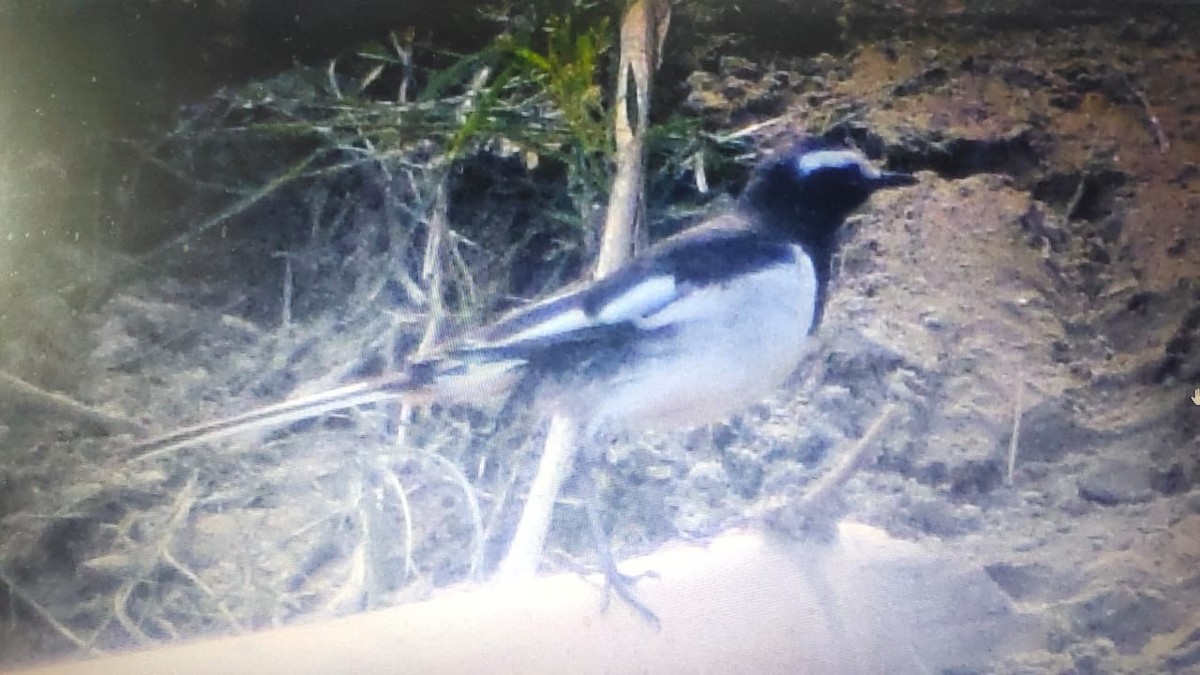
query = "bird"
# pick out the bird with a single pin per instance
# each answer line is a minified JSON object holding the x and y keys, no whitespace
{"x":690,"y":331}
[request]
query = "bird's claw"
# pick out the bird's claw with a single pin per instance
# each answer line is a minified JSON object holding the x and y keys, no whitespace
{"x":622,"y":584}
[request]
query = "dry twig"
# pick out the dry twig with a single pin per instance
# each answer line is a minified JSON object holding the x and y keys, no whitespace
{"x":1016,"y":430}
{"x":824,"y":489}
{"x":461,"y":480}
{"x":46,"y":616}
{"x":392,"y":481}
{"x":18,"y":391}
{"x":1160,"y":136}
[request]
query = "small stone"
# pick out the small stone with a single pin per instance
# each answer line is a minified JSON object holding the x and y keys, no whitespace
{"x":1080,"y":370}
{"x":703,"y":96}
{"x":709,"y":479}
{"x":1060,"y":351}
{"x":739,"y":67}
{"x":1096,"y":253}
{"x":1193,"y":501}
{"x":1021,"y":581}
{"x":1036,"y":498}
{"x":1114,"y":483}
{"x":779,"y":79}
{"x":932,"y":320}
{"x":1175,"y":478}
{"x":733,"y":89}
{"x":1111,"y":229}
{"x":943,"y":519}
{"x":1076,"y":507}
{"x":1126,"y":616}
{"x":765,"y":103}
{"x":703,"y":101}
{"x":1032,"y":471}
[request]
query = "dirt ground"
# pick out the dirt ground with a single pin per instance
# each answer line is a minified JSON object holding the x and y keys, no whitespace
{"x":1033,"y":305}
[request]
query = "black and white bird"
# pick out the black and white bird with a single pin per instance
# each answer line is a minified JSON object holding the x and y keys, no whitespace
{"x":688,"y":332}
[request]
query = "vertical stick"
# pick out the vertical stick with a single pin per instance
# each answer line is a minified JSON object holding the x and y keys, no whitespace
{"x":644,"y":26}
{"x":557,"y":461}
{"x":1016,"y":431}
{"x":642,"y":30}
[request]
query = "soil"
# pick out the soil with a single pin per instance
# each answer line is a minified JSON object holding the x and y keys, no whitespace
{"x":1033,"y":305}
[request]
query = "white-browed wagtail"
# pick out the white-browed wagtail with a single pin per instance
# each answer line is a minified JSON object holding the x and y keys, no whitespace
{"x":688,"y":332}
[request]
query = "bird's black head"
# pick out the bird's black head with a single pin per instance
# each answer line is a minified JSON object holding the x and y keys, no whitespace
{"x":808,"y":191}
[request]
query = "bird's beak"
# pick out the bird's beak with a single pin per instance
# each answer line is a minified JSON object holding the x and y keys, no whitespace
{"x":892,"y":179}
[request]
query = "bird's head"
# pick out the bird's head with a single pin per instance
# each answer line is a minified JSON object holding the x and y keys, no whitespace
{"x":810,"y":189}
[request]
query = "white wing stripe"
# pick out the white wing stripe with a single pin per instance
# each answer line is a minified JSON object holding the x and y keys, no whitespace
{"x":559,"y":318}
{"x":556,"y":323}
{"x":648,"y":296}
{"x":711,"y":303}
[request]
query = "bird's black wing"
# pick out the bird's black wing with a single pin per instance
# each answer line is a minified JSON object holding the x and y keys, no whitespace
{"x":608,"y":313}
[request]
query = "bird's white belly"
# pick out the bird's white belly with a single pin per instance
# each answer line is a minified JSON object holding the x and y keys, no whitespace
{"x":732,"y":345}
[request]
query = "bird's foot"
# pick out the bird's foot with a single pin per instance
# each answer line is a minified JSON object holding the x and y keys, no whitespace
{"x":614,"y":580}
{"x":620,"y":583}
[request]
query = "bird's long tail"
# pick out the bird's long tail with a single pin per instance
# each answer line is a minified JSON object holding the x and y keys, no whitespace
{"x":420,"y":383}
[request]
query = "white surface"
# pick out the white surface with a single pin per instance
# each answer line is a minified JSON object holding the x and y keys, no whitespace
{"x":746,"y":603}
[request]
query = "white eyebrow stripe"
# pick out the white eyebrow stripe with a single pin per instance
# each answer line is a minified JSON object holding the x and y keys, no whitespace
{"x":635,"y":302}
{"x":558,"y":323}
{"x":829,"y":159}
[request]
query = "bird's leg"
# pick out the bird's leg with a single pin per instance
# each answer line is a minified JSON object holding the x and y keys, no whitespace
{"x":516,"y":403}
{"x":615,"y":581}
